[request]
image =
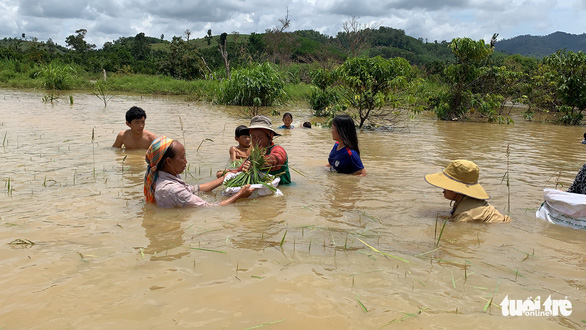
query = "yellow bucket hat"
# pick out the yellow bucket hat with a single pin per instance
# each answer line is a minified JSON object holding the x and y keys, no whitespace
{"x":460,"y":176}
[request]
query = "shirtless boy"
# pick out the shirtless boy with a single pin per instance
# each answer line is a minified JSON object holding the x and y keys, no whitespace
{"x":136,"y":137}
{"x":242,"y":150}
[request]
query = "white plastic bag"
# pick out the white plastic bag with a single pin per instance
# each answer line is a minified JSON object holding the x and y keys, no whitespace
{"x":563,"y":208}
{"x":259,"y":191}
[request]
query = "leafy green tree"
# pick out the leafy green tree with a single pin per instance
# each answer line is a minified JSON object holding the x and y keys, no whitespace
{"x":182,"y":61}
{"x":141,"y":49}
{"x":471,"y":57}
{"x":78,"y":43}
{"x":368,"y":82}
{"x":568,"y":74}
{"x":323,"y":95}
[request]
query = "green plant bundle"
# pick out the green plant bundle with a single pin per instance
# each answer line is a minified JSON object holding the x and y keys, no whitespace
{"x":256,"y":174}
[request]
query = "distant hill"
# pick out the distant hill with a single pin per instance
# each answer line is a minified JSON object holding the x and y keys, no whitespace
{"x":541,"y":46}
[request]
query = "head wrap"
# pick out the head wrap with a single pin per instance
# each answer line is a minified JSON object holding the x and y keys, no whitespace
{"x":153,"y":156}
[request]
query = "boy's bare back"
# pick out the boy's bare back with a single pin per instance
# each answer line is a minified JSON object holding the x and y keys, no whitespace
{"x":132,"y":141}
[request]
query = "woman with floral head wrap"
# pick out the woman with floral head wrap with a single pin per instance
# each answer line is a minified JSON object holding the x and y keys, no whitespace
{"x":162,"y":184}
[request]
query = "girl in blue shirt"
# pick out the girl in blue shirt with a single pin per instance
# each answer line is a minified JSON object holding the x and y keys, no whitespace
{"x":345,"y":155}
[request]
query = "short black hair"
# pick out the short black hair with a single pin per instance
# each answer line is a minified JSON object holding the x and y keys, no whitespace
{"x":287,"y":114}
{"x":241,"y":130}
{"x":307,"y":124}
{"x":135,"y":113}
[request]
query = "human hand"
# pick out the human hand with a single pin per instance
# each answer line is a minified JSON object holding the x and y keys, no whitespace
{"x":221,"y":173}
{"x":245,"y":191}
{"x":246,"y":166}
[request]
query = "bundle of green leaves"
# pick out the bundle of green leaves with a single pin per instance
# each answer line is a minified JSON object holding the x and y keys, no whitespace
{"x":257,"y":173}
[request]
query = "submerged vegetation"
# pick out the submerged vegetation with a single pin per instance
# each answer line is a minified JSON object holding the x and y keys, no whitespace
{"x":366,"y":72}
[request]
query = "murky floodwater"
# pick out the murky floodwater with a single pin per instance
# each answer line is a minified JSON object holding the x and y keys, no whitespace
{"x":104,"y":259}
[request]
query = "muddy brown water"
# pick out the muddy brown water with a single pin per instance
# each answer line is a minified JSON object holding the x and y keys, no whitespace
{"x":335,"y":252}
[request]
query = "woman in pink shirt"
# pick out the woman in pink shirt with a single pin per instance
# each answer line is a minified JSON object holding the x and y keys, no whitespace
{"x":162,"y":184}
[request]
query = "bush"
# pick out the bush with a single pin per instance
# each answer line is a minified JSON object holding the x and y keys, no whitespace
{"x":260,"y":81}
{"x":56,"y":76}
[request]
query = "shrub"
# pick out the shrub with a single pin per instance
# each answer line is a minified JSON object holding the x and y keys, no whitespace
{"x":259,"y":81}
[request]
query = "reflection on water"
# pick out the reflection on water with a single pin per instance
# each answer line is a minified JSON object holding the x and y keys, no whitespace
{"x":307,"y":259}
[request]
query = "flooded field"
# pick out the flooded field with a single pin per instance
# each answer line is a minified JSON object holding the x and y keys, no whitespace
{"x":335,"y":252}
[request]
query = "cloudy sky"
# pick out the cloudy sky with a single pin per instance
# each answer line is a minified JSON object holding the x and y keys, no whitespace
{"x":107,"y":20}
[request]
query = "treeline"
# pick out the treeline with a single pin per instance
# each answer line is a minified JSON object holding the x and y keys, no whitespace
{"x":542,"y":46}
{"x":370,"y":73}
{"x":187,"y":58}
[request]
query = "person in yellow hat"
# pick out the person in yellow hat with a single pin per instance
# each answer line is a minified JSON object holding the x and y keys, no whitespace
{"x":460,"y":183}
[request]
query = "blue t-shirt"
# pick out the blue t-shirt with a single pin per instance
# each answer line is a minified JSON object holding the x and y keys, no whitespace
{"x":344,"y":160}
{"x":285,"y":127}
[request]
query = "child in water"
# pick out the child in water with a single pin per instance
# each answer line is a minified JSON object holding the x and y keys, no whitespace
{"x":242,"y":150}
{"x":136,"y":137}
{"x":460,"y":183}
{"x":287,"y":120}
{"x":345,"y":155}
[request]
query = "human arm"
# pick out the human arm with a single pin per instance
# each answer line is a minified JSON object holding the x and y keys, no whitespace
{"x":361,"y":172}
{"x":276,"y":158}
{"x":244,"y":192}
{"x":233,"y":153}
{"x":209,"y":186}
{"x":118,"y":142}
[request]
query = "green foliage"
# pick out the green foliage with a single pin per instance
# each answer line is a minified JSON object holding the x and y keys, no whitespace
{"x":182,"y":62}
{"x":567,"y":72}
{"x":324,"y":96}
{"x":78,"y":43}
{"x":472,"y":58}
{"x":260,"y":81}
{"x":570,"y":116}
{"x":368,"y":81}
{"x":101,"y":91}
{"x":56,"y":76}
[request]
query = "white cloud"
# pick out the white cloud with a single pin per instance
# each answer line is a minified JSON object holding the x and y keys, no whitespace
{"x":108,"y":20}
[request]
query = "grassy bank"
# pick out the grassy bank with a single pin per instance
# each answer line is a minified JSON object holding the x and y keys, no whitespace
{"x":25,"y":77}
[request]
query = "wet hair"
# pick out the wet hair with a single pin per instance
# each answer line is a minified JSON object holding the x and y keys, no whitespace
{"x":135,"y":113}
{"x":169,"y":153}
{"x":307,"y":124}
{"x":347,"y":131}
{"x":288,"y":114}
{"x":241,"y":130}
{"x":584,"y":136}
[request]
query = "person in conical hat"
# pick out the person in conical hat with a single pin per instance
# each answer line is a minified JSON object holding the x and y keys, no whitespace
{"x":460,"y":183}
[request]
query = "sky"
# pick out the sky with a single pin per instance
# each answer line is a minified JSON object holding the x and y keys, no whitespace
{"x":431,"y":20}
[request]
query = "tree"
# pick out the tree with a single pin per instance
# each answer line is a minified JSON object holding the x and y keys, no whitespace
{"x":568,"y":75}
{"x":187,"y":34}
{"x":141,"y":49}
{"x":182,"y":62}
{"x":471,"y":60}
{"x":78,"y":43}
{"x":278,"y":43}
{"x":368,"y":82}
{"x":355,"y":36}
{"x":224,"y":52}
{"x":162,"y":36}
{"x":208,"y":37}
